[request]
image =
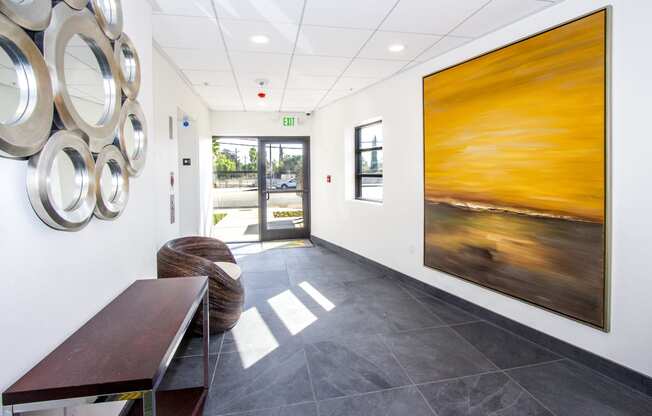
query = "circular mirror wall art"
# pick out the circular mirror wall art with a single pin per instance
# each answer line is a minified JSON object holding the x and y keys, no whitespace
{"x":127,"y":58}
{"x":109,"y":16}
{"x":76,"y":4}
{"x":131,"y":135}
{"x":112,"y":181}
{"x":75,"y":37}
{"x":30,"y":14}
{"x":61,"y":182}
{"x":26,"y":104}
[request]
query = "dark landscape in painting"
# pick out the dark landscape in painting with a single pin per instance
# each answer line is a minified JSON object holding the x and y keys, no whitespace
{"x":552,"y":262}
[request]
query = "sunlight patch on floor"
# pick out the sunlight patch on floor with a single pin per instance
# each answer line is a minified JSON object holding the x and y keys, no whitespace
{"x":291,"y":311}
{"x":317,"y":296}
{"x":252,"y":323}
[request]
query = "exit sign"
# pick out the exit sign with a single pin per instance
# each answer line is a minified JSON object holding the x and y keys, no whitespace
{"x":289,"y":121}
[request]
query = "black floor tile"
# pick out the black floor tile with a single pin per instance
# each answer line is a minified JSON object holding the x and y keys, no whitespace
{"x":446,"y":312}
{"x":303,"y":409}
{"x":405,"y":401}
{"x":265,"y":279}
{"x":487,"y":394}
{"x":355,"y":364}
{"x":436,"y":354}
{"x":192,"y":345}
{"x":567,"y":388}
{"x":260,"y":380}
{"x":503,"y":348}
{"x":187,"y":372}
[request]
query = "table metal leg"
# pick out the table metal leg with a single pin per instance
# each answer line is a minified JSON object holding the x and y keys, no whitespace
{"x":206,"y":341}
{"x":149,"y":403}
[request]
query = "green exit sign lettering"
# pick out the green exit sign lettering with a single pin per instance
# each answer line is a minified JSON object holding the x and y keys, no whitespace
{"x":289,"y":121}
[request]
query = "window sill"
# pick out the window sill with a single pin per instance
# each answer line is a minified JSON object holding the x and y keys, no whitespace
{"x":373,"y":202}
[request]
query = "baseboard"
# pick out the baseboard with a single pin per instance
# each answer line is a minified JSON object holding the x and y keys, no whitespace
{"x":622,"y":374}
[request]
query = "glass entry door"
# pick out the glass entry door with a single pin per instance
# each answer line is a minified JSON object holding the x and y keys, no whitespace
{"x":284,"y":184}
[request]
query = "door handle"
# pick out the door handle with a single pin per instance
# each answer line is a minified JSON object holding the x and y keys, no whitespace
{"x":267,"y":196}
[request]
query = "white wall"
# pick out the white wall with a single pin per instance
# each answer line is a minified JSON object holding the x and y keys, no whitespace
{"x":240,"y":123}
{"x":392,"y":233}
{"x":51,"y":282}
{"x":175,"y":99}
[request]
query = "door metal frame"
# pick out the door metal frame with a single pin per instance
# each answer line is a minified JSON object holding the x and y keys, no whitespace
{"x":263,"y":192}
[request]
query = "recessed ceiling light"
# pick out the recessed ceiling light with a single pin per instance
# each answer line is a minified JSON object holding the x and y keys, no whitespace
{"x":397,"y":47}
{"x":259,"y":39}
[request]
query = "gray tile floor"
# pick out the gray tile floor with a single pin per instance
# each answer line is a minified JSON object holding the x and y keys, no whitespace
{"x":322,"y":335}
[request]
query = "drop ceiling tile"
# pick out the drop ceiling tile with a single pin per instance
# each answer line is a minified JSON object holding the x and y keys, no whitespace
{"x":304,"y":100}
{"x":373,"y":68}
{"x":196,"y":59}
{"x":318,"y":65}
{"x":212,"y":78}
{"x":378,"y":46}
{"x":237,"y":34}
{"x":271,"y":102}
{"x":446,"y":44}
{"x":217,"y":107}
{"x":431,"y":16}
{"x":219,"y":95}
{"x":271,"y":63}
{"x":351,"y":84}
{"x":186,"y":32}
{"x":184,"y":7}
{"x":362,"y":14}
{"x":277,"y":11}
{"x":498,"y":14}
{"x":310,"y":82}
{"x":328,"y":41}
{"x":333,"y":96}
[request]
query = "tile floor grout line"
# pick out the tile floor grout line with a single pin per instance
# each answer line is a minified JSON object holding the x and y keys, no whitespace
{"x":529,"y":393}
{"x":503,"y":371}
{"x":391,"y":351}
{"x":312,"y":385}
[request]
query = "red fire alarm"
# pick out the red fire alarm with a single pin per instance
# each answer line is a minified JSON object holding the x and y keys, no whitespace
{"x":261,"y":95}
{"x":328,"y":178}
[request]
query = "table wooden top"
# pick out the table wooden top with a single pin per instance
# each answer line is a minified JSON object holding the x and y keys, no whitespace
{"x":125,"y":347}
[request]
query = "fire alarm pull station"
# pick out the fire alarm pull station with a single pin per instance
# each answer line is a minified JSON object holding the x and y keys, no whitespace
{"x":328,"y":179}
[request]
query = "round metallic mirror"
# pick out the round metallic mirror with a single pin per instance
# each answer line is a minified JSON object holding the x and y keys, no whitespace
{"x":129,"y":63}
{"x":61,"y":182}
{"x":26,"y":107}
{"x":109,"y":16}
{"x":85,"y":81}
{"x":76,"y":4}
{"x":30,"y":14}
{"x":84,"y":74}
{"x":113,"y":183}
{"x":132,"y":136}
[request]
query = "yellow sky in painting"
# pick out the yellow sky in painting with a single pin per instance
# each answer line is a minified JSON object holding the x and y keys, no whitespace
{"x":523,"y":126}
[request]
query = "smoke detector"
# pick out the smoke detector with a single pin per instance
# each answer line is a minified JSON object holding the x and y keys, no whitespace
{"x":262,"y":84}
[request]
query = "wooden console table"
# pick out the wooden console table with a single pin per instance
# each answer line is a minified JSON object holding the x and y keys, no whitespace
{"x":122,"y":354}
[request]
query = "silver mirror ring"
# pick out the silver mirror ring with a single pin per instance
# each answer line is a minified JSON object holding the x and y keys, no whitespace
{"x":133,"y":113}
{"x":129,"y":81}
{"x":65,"y":24}
{"x":32,"y":15}
{"x":39,"y":190}
{"x":76,"y":4}
{"x":28,"y":131}
{"x":111,"y":21}
{"x":111,"y":158}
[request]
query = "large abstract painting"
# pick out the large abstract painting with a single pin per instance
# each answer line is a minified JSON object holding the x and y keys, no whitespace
{"x":515,"y":149}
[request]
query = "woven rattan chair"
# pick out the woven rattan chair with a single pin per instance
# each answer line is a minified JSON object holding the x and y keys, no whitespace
{"x":196,"y":256}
